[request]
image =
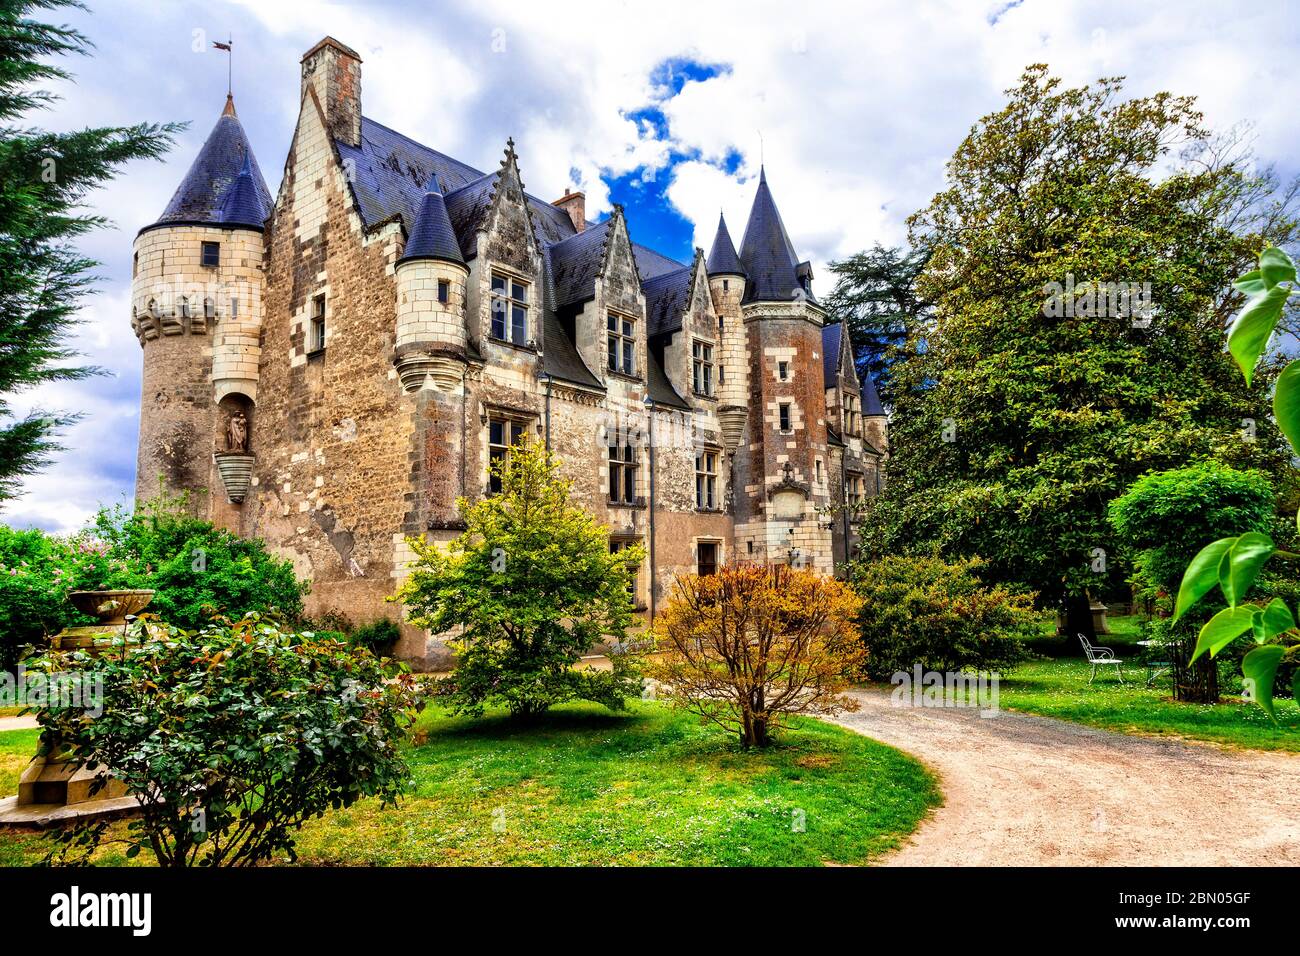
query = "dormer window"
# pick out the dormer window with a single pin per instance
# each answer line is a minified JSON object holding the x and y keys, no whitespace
{"x":509,"y":309}
{"x":702,"y":365}
{"x":852,"y":419}
{"x":621,"y":342}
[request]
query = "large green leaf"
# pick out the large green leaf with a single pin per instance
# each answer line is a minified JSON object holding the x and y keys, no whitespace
{"x":1240,"y":566}
{"x":1252,"y":329}
{"x":1275,"y":266}
{"x":1260,"y":667}
{"x":1224,"y":628}
{"x":1286,"y":404}
{"x":1252,"y":283}
{"x":1276,"y":618}
{"x":1201,"y":575}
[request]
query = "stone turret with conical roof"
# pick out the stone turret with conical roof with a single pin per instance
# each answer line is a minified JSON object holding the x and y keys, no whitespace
{"x":785,"y":453}
{"x":431,"y":282}
{"x":197,"y":291}
{"x":727,"y":288}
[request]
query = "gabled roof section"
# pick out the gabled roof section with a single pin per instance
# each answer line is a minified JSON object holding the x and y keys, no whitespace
{"x":201,"y":198}
{"x":831,"y":353}
{"x":577,"y":261}
{"x":870,"y":397}
{"x":767,"y":255}
{"x":560,"y":356}
{"x":658,"y":387}
{"x":722,"y":254}
{"x":431,"y":235}
{"x":666,"y":299}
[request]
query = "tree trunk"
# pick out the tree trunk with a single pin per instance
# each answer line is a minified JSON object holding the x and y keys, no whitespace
{"x":1199,"y":683}
{"x":1078,"y":620}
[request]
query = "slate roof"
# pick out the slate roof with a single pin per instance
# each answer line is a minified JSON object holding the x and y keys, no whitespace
{"x":431,"y":235}
{"x":666,"y":298}
{"x":722,"y":254}
{"x":211,"y":192}
{"x":831,"y":353}
{"x":575,"y":261}
{"x":870,"y":398}
{"x":767,"y":255}
{"x":659,"y":388}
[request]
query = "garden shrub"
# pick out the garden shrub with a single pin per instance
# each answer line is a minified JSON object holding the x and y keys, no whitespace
{"x":748,"y":646}
{"x":235,"y":735}
{"x":379,"y":636}
{"x":920,"y":609}
{"x":198,"y":571}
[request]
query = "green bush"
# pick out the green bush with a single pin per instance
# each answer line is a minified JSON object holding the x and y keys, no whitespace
{"x":924,"y":610}
{"x":197,"y":570}
{"x":379,"y":637}
{"x":235,"y":735}
{"x":1166,"y":517}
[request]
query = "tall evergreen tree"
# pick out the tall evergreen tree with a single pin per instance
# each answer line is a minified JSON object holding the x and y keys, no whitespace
{"x":1029,"y":411}
{"x":45,"y":178}
{"x":876,"y":296}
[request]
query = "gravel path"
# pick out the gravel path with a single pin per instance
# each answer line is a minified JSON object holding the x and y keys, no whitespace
{"x":1033,"y":791}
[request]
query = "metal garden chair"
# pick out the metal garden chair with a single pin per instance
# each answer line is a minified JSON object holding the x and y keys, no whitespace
{"x":1099,"y":657}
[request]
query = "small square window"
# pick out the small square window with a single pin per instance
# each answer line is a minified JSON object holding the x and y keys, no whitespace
{"x":706,"y":556}
{"x":211,"y":253}
{"x":444,"y":291}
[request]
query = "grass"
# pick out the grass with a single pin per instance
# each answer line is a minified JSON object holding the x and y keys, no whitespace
{"x":1058,"y":687}
{"x":588,"y":787}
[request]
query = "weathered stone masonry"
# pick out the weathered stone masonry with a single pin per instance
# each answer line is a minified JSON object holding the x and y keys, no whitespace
{"x":391,"y":313}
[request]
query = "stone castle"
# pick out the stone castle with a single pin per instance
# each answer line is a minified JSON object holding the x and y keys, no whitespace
{"x":330,"y":368}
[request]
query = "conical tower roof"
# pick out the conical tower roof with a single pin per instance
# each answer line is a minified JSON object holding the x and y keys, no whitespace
{"x":722,"y":254}
{"x":212,"y":186}
{"x":767,"y":254}
{"x":432,"y":236}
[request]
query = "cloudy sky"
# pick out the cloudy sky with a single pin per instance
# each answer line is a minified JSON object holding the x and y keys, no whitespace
{"x":664,"y":106}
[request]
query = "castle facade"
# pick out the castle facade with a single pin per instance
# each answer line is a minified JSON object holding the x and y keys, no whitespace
{"x":330,"y":368}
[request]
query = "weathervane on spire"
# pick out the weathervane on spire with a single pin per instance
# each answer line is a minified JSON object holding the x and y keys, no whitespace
{"x":228,"y":46}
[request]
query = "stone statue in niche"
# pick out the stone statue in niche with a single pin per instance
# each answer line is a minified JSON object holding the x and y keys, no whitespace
{"x":237,"y":432}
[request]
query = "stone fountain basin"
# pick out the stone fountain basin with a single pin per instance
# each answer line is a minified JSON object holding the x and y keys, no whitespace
{"x":111,"y":607}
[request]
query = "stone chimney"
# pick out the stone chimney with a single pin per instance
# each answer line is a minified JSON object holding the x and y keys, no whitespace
{"x":334,"y":72}
{"x":575,"y":204}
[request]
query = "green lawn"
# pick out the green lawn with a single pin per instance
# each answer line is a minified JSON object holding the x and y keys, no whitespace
{"x":587,"y":787}
{"x":1058,"y":687}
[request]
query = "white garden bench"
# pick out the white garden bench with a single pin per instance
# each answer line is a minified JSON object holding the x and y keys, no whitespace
{"x":1099,"y":657}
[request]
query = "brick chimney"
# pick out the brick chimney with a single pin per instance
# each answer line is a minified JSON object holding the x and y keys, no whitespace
{"x":334,"y":72}
{"x":575,"y":204}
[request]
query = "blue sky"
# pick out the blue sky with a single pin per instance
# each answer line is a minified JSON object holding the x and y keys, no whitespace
{"x":665,"y":107}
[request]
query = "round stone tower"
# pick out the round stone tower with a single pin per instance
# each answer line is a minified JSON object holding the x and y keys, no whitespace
{"x":196,"y":308}
{"x":431,"y":280}
{"x":727,"y":287}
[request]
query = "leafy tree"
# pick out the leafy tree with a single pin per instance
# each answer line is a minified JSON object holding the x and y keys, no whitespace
{"x":923,"y":610}
{"x":234,"y":737}
{"x":44,"y":181}
{"x":1161,"y":522}
{"x":530,"y":587}
{"x":875,"y":295}
{"x":750,"y":645}
{"x":1232,"y":565}
{"x":1030,"y":410}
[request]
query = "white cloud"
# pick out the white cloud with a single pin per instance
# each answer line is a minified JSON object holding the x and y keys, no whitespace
{"x":859,"y":106}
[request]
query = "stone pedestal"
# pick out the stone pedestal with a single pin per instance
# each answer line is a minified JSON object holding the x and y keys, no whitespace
{"x":52,"y":790}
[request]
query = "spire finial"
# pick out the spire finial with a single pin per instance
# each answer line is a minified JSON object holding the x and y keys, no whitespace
{"x":230,"y":106}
